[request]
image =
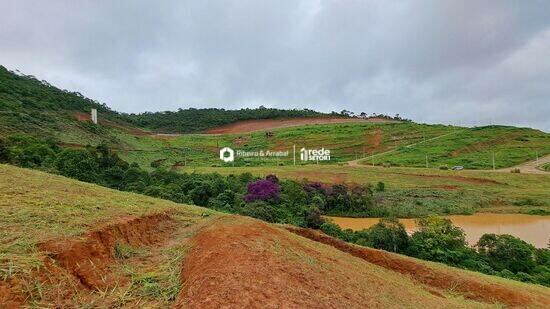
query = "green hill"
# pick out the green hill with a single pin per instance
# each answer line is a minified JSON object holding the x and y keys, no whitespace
{"x":34,"y":107}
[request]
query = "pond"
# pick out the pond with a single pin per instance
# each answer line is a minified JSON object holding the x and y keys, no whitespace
{"x":532,"y":229}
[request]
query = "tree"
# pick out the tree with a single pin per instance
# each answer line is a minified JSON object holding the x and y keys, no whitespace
{"x":388,"y":234}
{"x":507,"y":252}
{"x":437,"y":239}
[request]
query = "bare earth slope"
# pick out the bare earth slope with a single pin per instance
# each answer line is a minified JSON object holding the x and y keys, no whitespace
{"x":269,"y":124}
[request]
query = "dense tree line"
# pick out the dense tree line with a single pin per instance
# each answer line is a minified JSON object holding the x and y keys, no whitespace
{"x":287,"y":201}
{"x":198,"y":120}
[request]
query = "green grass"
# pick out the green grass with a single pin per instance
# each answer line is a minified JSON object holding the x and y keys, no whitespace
{"x":400,"y":144}
{"x":472,"y":148}
{"x":346,"y":141}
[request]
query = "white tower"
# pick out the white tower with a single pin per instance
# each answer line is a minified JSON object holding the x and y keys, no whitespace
{"x":94,"y":115}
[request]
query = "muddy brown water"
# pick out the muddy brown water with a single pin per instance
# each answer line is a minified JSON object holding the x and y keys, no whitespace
{"x":532,"y":229}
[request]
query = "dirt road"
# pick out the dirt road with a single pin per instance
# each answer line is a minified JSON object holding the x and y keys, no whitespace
{"x":531,"y":167}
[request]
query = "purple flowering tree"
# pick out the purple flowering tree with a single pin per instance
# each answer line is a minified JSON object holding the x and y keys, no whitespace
{"x":263,"y":190}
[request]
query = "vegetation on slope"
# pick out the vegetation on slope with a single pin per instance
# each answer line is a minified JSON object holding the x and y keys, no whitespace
{"x":35,"y":107}
{"x":472,"y":148}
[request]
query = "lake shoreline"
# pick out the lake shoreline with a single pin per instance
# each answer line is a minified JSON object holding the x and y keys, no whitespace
{"x":534,"y":229}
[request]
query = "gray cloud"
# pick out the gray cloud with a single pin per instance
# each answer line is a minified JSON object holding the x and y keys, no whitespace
{"x":463,"y":62}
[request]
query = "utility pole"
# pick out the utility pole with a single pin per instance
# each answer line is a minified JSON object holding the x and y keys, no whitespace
{"x":426,"y":161}
{"x":537,"y":155}
{"x":493,"y":160}
{"x":294,"y":153}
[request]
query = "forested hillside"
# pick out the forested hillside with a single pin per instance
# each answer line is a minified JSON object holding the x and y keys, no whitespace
{"x":28,"y":105}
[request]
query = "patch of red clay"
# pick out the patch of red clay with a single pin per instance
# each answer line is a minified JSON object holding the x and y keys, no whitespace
{"x":266,"y":124}
{"x":88,"y":259}
{"x":10,"y":295}
{"x":454,"y":177}
{"x":469,"y":287}
{"x":245,"y":263}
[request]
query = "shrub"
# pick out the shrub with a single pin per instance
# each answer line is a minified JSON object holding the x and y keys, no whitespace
{"x":380,"y":187}
{"x":443,"y":167}
{"x":515,"y":170}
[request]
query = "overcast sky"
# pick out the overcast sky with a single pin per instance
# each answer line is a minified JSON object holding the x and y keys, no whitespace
{"x":460,"y":62}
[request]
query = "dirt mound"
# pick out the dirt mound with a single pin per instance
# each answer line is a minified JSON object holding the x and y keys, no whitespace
{"x":266,"y":124}
{"x":245,"y":263}
{"x":469,"y":286}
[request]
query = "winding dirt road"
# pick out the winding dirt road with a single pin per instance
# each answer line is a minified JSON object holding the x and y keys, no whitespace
{"x":531,"y":167}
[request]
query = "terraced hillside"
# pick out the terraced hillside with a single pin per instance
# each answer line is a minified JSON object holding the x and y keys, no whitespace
{"x":69,"y":244}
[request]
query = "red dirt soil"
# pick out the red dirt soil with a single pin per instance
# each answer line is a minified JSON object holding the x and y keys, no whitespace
{"x":469,"y":287}
{"x":246,"y":263}
{"x":267,"y":124}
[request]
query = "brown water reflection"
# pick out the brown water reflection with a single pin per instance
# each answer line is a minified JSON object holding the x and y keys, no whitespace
{"x":532,"y":229}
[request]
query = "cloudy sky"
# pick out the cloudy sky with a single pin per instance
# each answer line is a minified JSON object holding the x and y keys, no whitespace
{"x":461,"y":62}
